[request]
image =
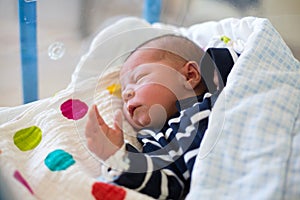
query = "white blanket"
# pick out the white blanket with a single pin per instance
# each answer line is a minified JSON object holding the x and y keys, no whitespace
{"x":251,"y":148}
{"x":43,"y":154}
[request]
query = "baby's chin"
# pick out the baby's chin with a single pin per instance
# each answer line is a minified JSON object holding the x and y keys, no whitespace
{"x":134,"y":123}
{"x":141,"y":122}
{"x":154,"y":119}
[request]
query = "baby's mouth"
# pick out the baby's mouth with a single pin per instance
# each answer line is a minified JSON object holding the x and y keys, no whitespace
{"x":131,"y":110}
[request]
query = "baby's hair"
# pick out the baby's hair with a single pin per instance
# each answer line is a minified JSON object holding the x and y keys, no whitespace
{"x":180,"y":48}
{"x":176,"y":45}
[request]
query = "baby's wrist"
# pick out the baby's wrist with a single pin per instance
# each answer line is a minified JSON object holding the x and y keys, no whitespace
{"x":116,"y":164}
{"x":119,"y":160}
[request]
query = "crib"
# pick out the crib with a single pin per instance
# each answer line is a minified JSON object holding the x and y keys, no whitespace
{"x":250,"y":149}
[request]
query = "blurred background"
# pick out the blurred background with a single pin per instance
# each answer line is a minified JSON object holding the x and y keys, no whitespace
{"x":70,"y":25}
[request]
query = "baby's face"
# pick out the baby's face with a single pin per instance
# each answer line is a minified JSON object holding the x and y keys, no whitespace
{"x":150,"y":89}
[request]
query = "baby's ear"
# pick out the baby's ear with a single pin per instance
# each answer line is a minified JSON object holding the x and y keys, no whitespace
{"x":192,"y":74}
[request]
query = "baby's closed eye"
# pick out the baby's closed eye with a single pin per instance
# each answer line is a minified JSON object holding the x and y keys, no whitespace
{"x":140,"y":77}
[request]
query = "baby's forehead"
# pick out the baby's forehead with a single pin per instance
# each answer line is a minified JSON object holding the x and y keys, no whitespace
{"x":141,"y":57}
{"x":145,"y":54}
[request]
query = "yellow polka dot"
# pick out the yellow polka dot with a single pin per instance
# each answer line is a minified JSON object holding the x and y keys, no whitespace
{"x":115,"y":89}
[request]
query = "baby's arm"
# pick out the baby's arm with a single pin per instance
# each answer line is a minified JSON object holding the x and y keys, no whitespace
{"x":146,"y":176}
{"x":101,"y":139}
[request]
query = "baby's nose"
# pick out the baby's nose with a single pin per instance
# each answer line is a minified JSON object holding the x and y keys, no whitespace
{"x":128,"y":94}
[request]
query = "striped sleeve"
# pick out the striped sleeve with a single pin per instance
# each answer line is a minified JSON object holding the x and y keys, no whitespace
{"x":152,"y":175}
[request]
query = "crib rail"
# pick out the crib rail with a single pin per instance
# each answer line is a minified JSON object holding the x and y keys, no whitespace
{"x":28,"y":49}
{"x":28,"y":42}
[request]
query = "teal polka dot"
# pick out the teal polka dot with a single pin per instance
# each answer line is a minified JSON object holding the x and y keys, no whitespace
{"x":59,"y":160}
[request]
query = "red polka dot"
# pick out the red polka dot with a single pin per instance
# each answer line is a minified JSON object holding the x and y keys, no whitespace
{"x":73,"y":109}
{"x":103,"y":191}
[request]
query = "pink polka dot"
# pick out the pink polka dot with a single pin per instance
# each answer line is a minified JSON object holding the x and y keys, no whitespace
{"x":73,"y":109}
{"x":20,"y":178}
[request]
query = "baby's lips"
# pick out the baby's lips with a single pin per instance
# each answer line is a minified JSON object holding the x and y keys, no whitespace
{"x":131,"y":109}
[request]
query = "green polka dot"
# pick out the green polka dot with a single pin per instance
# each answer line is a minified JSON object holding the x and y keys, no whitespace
{"x":225,"y":39}
{"x":28,"y":138}
{"x":59,"y":160}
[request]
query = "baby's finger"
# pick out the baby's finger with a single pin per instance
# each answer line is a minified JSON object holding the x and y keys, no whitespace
{"x":98,"y":116}
{"x":118,"y":121}
{"x":100,"y":120}
{"x":92,"y":119}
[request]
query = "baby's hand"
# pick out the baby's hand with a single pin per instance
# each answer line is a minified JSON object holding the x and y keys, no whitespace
{"x":101,"y":139}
